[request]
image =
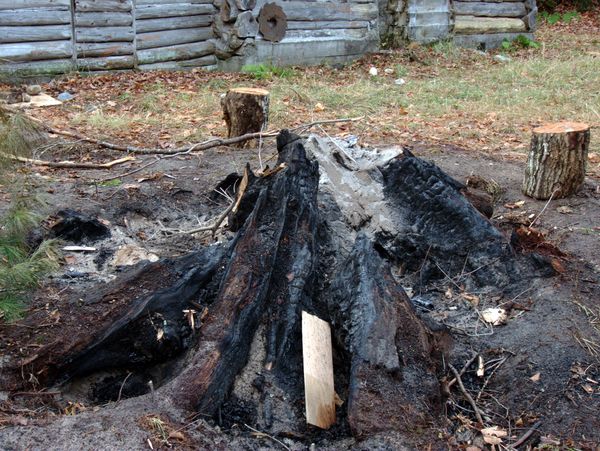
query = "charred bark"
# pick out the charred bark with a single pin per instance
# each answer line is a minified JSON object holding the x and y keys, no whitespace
{"x":442,"y":234}
{"x":393,"y":355}
{"x":271,"y":266}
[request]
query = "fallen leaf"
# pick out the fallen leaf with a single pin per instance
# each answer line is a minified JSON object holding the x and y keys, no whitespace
{"x":515,"y":205}
{"x":493,"y":435}
{"x":491,"y":440}
{"x":319,"y":107}
{"x":494,"y":431}
{"x":564,"y":210}
{"x":176,"y":435}
{"x":494,"y":316}
{"x":588,"y":388}
{"x":473,"y":299}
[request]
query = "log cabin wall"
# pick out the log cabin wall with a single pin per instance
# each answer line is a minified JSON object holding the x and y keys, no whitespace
{"x":485,"y":25}
{"x":36,"y":36}
{"x":104,"y":36}
{"x":174,"y":34}
{"x":57,"y":36}
{"x":315,"y":32}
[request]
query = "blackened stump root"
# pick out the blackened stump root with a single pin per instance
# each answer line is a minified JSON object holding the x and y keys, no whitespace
{"x":393,"y":354}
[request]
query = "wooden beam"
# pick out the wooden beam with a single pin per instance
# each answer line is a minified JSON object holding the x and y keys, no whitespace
{"x":319,"y":392}
{"x":35,"y":34}
{"x":46,"y":16}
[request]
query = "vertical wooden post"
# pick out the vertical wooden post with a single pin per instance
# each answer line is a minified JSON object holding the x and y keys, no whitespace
{"x":557,"y":160}
{"x":319,"y":393}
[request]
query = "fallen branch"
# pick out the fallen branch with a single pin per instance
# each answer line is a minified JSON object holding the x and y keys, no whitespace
{"x":204,"y":145}
{"x":467,"y":395}
{"x":68,"y":164}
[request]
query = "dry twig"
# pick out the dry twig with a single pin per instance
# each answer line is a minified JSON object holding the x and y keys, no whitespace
{"x":467,"y":395}
{"x":263,"y":434}
{"x":527,"y":434}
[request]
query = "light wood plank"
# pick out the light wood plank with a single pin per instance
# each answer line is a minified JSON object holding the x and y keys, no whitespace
{"x":319,"y":393}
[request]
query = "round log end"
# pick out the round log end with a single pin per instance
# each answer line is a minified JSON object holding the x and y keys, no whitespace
{"x":250,"y":91}
{"x":561,"y":127}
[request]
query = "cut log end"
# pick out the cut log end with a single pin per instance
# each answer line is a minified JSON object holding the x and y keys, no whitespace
{"x":245,"y":110}
{"x":557,"y":160}
{"x":562,"y":127}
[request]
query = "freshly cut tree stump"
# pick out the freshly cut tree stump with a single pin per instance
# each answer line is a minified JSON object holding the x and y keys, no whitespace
{"x":245,"y":110}
{"x":557,"y":159}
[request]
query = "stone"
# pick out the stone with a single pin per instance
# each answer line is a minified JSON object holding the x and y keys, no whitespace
{"x":502,"y":58}
{"x":33,"y":90}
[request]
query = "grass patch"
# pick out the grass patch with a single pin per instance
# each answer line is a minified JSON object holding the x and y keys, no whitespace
{"x":104,"y":122}
{"x":267,"y":71}
{"x":21,"y":265}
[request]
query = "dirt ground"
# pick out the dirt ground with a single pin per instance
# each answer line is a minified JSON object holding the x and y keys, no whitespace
{"x":542,"y":366}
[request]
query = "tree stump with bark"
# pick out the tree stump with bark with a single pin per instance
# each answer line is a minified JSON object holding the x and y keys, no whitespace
{"x":245,"y":110}
{"x":557,"y":160}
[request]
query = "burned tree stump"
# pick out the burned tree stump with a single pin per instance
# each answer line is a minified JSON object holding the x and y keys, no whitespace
{"x":557,"y":160}
{"x":245,"y":110}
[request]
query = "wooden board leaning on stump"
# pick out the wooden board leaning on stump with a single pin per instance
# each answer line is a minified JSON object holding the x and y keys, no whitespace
{"x":557,"y":160}
{"x":245,"y":110}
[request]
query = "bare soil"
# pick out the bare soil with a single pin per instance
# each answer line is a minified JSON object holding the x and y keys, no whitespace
{"x":542,"y":366}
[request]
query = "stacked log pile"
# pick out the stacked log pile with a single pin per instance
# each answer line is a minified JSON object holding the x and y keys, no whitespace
{"x":174,"y":34}
{"x":104,"y":37}
{"x":35,"y":36}
{"x":487,"y":23}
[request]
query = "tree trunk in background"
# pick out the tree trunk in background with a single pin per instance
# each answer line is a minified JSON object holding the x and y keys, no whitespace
{"x":246,"y":110}
{"x":557,"y":160}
